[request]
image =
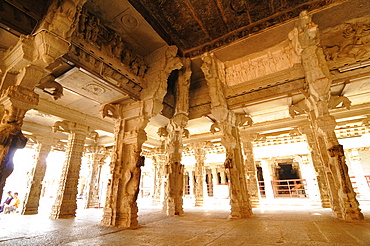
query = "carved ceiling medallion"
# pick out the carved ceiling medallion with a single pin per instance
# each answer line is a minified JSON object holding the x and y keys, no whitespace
{"x":94,"y":89}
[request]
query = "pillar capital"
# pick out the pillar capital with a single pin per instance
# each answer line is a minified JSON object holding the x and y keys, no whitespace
{"x":73,"y":127}
{"x":17,"y":100}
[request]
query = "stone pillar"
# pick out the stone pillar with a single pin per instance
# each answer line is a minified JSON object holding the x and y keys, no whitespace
{"x":174,"y":187}
{"x":267,"y":177}
{"x":308,"y":173}
{"x":16,"y":101}
{"x":66,"y":204}
{"x":34,"y":188}
{"x":361,"y":182}
{"x":200,"y":156}
{"x":223,"y":175}
{"x":251,"y":169}
{"x":96,"y":155}
{"x":123,"y":185}
{"x":191,"y":183}
{"x":317,"y":92}
{"x":159,"y":160}
{"x":228,"y":122}
{"x":318,"y":165}
{"x":23,"y":66}
{"x":214,"y":178}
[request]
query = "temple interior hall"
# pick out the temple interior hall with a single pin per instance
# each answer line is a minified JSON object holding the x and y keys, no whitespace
{"x":185,"y":122}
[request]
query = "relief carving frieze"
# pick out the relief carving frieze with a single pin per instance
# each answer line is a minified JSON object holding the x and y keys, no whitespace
{"x":250,"y":68}
{"x":117,"y":77}
{"x":107,"y":46}
{"x":348,"y":43}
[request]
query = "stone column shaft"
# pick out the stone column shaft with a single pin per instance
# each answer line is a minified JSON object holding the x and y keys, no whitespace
{"x":16,"y":100}
{"x":96,"y":155}
{"x":317,"y":75}
{"x":123,"y":186}
{"x":66,"y":204}
{"x":318,"y":166}
{"x":32,"y":197}
{"x":227,"y":122}
{"x":159,"y":159}
{"x":265,"y":164}
{"x":174,"y":187}
{"x":251,"y":170}
{"x":199,"y":174}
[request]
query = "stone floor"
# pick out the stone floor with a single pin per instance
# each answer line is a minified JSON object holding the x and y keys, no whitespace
{"x":270,"y":225}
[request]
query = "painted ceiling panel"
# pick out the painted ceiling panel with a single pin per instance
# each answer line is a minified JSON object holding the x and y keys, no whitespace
{"x":197,"y":26}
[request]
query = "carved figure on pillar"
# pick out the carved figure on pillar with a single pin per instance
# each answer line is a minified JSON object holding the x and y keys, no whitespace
{"x":228,"y":123}
{"x":121,"y":209}
{"x":176,"y":130}
{"x":342,"y":197}
{"x":16,"y":101}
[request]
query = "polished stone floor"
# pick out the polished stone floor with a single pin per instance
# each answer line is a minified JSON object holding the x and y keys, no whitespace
{"x":270,"y":225}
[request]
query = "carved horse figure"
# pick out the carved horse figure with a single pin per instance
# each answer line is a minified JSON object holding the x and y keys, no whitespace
{"x":298,"y":108}
{"x":49,"y":82}
{"x":335,"y":101}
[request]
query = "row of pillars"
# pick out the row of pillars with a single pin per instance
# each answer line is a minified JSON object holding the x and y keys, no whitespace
{"x":65,"y":205}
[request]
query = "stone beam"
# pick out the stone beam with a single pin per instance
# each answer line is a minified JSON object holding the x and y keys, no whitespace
{"x":74,"y":115}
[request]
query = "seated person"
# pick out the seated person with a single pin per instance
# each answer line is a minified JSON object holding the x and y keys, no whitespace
{"x":14,"y":204}
{"x":6,"y":202}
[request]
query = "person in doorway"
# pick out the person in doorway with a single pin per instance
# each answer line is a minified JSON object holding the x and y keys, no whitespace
{"x":6,"y":202}
{"x":14,"y":204}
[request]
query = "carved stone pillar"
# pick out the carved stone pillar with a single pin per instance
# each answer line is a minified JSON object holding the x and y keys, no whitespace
{"x":96,"y":155}
{"x":174,"y":186}
{"x":318,"y":166}
{"x":32,"y":197}
{"x":214,"y":179}
{"x":23,"y":67}
{"x":200,"y":156}
{"x":159,"y":160}
{"x":176,"y":130}
{"x":267,"y":177}
{"x":342,"y":197}
{"x":227,"y":122}
{"x":16,"y":101}
{"x":251,"y":170}
{"x":123,"y":186}
{"x":66,"y":204}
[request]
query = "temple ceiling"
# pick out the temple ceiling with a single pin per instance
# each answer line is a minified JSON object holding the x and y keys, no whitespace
{"x":197,"y":26}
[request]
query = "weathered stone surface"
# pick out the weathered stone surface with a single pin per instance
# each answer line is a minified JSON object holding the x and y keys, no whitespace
{"x":228,"y":123}
{"x":342,"y":197}
{"x":66,"y":204}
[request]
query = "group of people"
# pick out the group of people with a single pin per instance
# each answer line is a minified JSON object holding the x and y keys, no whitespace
{"x":11,"y":203}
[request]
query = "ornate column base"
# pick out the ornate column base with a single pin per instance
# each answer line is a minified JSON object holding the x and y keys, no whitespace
{"x":127,"y":217}
{"x":63,"y":210}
